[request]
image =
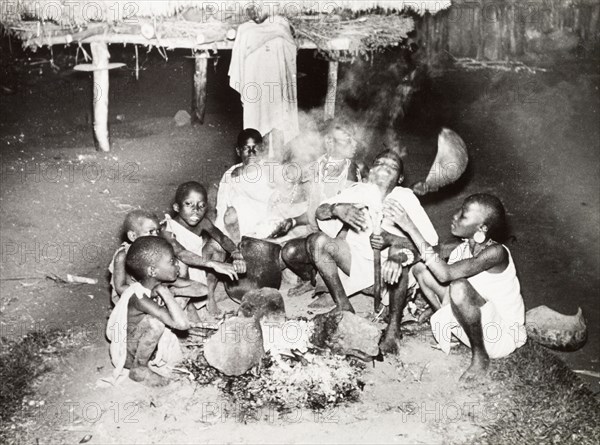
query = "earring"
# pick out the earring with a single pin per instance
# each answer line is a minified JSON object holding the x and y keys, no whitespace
{"x":479,"y":237}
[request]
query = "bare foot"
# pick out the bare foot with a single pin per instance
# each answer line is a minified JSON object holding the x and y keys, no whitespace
{"x":323,"y":301}
{"x":391,"y":342}
{"x":144,"y":375}
{"x":477,"y":370}
{"x":302,"y":288}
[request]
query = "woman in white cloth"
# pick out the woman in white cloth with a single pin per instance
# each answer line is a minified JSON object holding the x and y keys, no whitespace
{"x":477,"y":293}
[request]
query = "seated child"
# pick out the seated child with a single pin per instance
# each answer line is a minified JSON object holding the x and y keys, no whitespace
{"x":137,"y":223}
{"x":185,"y":230}
{"x":142,"y":223}
{"x":138,"y":324}
{"x":481,"y":302}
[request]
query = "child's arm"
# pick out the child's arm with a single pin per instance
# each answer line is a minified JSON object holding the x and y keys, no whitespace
{"x":490,"y":257}
{"x":191,"y":259}
{"x":172,"y":315}
{"x":188,"y":288}
{"x":239,"y":265}
{"x":120,"y":276}
{"x":215,"y":233}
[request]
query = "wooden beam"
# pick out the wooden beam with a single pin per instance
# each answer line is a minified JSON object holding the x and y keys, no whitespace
{"x":332,"y":80}
{"x":200,"y":77}
{"x":100,"y":56}
{"x":339,"y":44}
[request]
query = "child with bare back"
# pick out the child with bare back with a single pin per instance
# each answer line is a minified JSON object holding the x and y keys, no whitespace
{"x":186,"y":231}
{"x":141,"y":322}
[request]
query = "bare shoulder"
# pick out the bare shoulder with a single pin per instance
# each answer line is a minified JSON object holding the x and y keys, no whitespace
{"x":496,"y":254}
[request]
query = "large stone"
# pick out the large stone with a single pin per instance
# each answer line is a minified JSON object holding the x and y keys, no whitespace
{"x":236,"y":347}
{"x":346,"y":333}
{"x":263,"y":304}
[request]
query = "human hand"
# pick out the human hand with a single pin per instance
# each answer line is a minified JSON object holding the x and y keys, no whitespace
{"x":162,"y":291}
{"x":420,"y":188}
{"x":377,"y":242}
{"x":350,"y":215}
{"x":393,"y":210}
{"x":224,"y":269}
{"x":239,"y":264}
{"x":283,"y":227}
{"x":391,"y":270}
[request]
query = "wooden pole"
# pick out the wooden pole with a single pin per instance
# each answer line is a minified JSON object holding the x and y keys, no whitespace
{"x":100,"y":56}
{"x":200,"y":77}
{"x":332,"y":80}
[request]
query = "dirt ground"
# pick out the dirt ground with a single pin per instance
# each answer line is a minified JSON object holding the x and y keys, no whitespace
{"x":533,"y":141}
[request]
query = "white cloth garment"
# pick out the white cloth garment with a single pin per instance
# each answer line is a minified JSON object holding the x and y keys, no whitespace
{"x":225,"y":197}
{"x":263,"y":71}
{"x":168,"y":350}
{"x":502,"y":317}
{"x":367,"y":196}
{"x":190,"y":241}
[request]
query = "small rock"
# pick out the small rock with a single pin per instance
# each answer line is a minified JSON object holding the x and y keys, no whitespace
{"x":182,"y":118}
{"x":236,"y":347}
{"x":346,"y":333}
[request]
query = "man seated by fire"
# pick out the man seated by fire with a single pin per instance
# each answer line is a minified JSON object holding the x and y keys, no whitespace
{"x":337,"y":169}
{"x":258,"y":197}
{"x":343,"y":254}
{"x":247,"y":191}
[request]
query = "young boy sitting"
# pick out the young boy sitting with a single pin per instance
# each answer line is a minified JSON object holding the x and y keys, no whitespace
{"x":140,"y":223}
{"x":138,"y":326}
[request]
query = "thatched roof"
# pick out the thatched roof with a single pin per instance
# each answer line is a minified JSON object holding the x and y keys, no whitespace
{"x":69,"y":12}
{"x":354,"y":26}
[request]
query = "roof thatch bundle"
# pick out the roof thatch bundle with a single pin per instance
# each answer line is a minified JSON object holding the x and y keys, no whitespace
{"x":355,"y":26}
{"x":71,"y":13}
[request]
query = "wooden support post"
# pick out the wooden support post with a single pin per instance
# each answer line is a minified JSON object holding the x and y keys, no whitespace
{"x":332,"y":80}
{"x":100,"y":56}
{"x":200,"y":77}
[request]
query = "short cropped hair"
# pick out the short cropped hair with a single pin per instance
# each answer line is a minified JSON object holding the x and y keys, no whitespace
{"x":248,"y":133}
{"x":184,"y":190}
{"x":143,"y":253}
{"x":495,"y":218}
{"x":391,"y":154}
{"x":134,"y":218}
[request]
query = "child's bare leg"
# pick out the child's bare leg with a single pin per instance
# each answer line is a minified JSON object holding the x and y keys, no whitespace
{"x":213,"y":251}
{"x":192,"y":314}
{"x":466,"y":304}
{"x":327,"y":254}
{"x":392,"y":336}
{"x":434,"y":292}
{"x":142,"y":341}
{"x":232,"y":224}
